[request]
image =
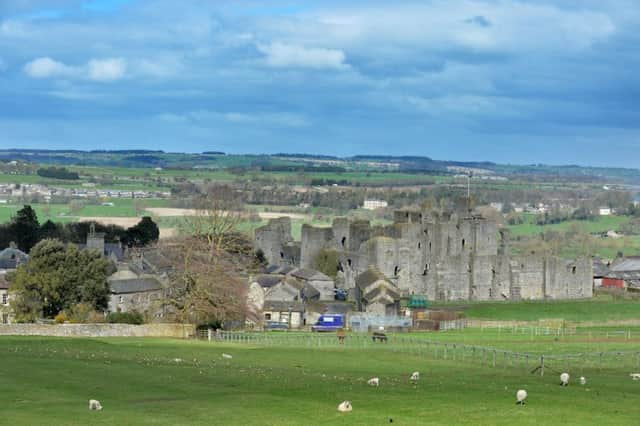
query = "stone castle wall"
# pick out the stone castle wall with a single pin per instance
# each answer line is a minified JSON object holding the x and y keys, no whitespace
{"x":445,"y":256}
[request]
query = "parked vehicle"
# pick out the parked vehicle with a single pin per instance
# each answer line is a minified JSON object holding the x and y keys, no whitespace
{"x":329,"y":322}
{"x":276,"y":325}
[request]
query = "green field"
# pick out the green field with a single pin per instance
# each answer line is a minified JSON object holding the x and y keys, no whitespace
{"x":597,"y":309}
{"x":50,"y":380}
{"x":599,"y":224}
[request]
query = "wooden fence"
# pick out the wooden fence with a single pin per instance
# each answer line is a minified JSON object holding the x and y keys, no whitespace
{"x":473,"y":354}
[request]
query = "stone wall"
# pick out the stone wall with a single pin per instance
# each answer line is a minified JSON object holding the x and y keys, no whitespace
{"x":442,"y":255}
{"x":179,"y":331}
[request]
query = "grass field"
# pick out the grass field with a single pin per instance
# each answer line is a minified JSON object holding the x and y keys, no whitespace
{"x":597,"y":309}
{"x":599,"y":224}
{"x":50,"y":380}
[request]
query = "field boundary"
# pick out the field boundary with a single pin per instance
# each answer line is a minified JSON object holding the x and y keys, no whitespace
{"x":474,"y":354}
{"x":180,"y":331}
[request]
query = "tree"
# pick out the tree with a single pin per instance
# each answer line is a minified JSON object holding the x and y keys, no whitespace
{"x":215,"y":219}
{"x":143,"y":233}
{"x":57,"y":277}
{"x":25,"y":229}
{"x":205,"y":286}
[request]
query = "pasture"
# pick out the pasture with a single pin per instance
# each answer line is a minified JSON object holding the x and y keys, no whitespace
{"x":162,"y":381}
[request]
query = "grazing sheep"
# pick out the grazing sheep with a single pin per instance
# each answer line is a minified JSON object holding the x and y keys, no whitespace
{"x":583,"y":381}
{"x":345,"y":407}
{"x":94,"y":404}
{"x":635,"y":376}
{"x":521,"y":395}
{"x":374,"y":382}
{"x":227,"y":356}
{"x":564,"y":379}
{"x":415,"y":376}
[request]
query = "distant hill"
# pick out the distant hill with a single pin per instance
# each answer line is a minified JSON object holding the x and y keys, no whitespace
{"x":299,"y":162}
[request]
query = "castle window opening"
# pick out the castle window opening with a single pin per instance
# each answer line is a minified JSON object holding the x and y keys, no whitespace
{"x":344,"y":240}
{"x":281,"y":255}
{"x":396,"y":270}
{"x":463,"y":242}
{"x":419,"y":246}
{"x":349,"y":262}
{"x":573,"y":270}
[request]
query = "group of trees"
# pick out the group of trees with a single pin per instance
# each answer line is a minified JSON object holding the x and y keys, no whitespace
{"x":58,"y":277}
{"x":58,"y":173}
{"x":25,"y":230}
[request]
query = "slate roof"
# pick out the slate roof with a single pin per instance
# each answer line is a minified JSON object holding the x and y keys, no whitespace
{"x":626,"y":264}
{"x":309,"y":274}
{"x":135,"y":285}
{"x":268,"y":281}
{"x":11,"y":257}
{"x":600,"y":269}
{"x":109,"y":249}
{"x":368,"y":277}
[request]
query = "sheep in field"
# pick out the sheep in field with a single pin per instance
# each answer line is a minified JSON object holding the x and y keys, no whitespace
{"x":583,"y":381}
{"x":226,"y":356}
{"x":521,"y":395}
{"x":415,"y":376}
{"x":635,"y":376}
{"x":375,"y":381}
{"x":345,"y":407}
{"x":94,"y":404}
{"x":564,"y":379}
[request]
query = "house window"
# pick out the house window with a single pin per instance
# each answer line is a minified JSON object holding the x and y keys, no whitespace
{"x":5,"y":298}
{"x":267,"y":316}
{"x":5,"y":318}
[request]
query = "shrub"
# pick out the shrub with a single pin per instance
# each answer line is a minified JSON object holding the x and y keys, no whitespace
{"x":60,"y":318}
{"x":84,"y":313}
{"x":133,"y":317}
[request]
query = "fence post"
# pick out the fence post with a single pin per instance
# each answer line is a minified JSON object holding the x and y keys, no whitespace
{"x":541,"y":365}
{"x":208,"y":334}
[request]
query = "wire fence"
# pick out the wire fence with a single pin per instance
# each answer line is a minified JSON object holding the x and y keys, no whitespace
{"x":587,"y":333}
{"x":473,"y":354}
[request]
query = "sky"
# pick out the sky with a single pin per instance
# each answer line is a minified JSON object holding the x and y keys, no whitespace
{"x":523,"y":82}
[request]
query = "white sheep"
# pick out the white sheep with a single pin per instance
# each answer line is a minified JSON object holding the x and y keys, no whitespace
{"x":564,"y":379}
{"x":345,"y":407}
{"x":635,"y":376}
{"x":94,"y":404}
{"x":227,"y":356}
{"x":375,"y":381}
{"x":583,"y":381}
{"x":521,"y":395}
{"x":415,"y":376}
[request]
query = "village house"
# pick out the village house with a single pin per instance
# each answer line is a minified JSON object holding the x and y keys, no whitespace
{"x":5,"y":310}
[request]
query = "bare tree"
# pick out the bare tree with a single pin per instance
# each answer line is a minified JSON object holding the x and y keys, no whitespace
{"x":215,"y":220}
{"x":205,"y":286}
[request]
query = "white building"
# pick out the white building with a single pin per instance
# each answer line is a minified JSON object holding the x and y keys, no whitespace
{"x":374,"y":204}
{"x":605,"y":211}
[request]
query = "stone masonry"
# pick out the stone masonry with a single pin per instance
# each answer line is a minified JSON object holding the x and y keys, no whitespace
{"x":452,"y":255}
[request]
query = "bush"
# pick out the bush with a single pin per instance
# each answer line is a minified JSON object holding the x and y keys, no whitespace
{"x":61,"y":318}
{"x":84,"y":313}
{"x":133,"y":317}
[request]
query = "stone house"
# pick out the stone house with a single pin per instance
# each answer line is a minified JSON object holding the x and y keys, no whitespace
{"x":290,"y":313}
{"x":143,"y":294}
{"x":5,"y":310}
{"x":375,"y":293}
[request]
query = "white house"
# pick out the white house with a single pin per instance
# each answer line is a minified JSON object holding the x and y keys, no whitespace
{"x":605,"y":211}
{"x":374,"y":204}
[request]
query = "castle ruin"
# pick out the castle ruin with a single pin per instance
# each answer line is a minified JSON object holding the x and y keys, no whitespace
{"x":444,"y":256}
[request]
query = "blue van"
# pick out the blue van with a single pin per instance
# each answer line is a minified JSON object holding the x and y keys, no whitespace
{"x":329,"y":322}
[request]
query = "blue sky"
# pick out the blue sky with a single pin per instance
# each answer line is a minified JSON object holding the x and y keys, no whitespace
{"x":507,"y":81}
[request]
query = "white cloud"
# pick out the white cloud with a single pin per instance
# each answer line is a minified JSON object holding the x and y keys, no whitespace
{"x":208,"y":118}
{"x":106,"y":69}
{"x":46,"y":67}
{"x":289,"y":55}
{"x":103,"y":70}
